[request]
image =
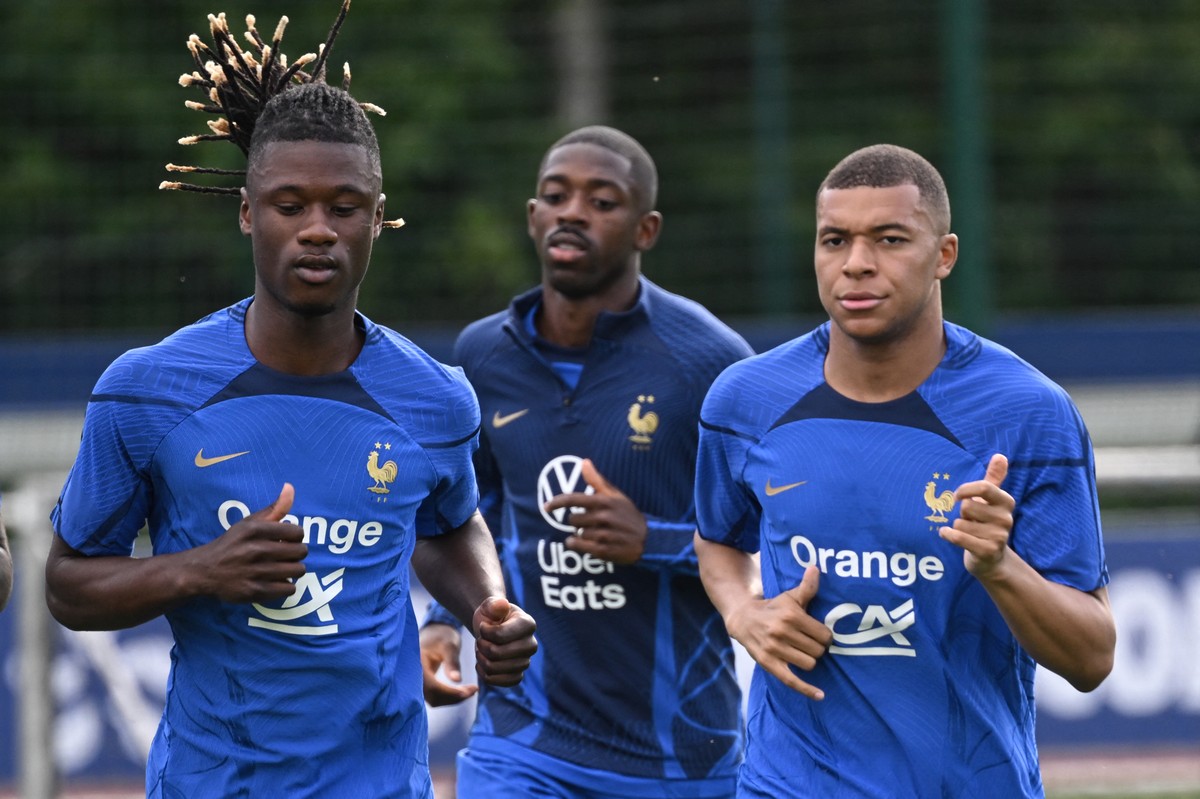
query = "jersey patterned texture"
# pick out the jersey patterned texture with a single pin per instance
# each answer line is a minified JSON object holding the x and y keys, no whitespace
{"x":634,"y":682}
{"x":926,"y":691}
{"x":318,"y":694}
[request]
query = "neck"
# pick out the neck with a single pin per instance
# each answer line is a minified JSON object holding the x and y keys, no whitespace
{"x":869,"y":371}
{"x":570,"y":321}
{"x":293,"y":344}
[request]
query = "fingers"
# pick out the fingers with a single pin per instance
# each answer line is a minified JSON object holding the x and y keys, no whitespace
{"x":440,"y":645}
{"x":503,"y":649}
{"x":807,"y":588}
{"x":596,"y":480}
{"x":495,"y":608}
{"x":280,"y":507}
{"x":997,"y":470}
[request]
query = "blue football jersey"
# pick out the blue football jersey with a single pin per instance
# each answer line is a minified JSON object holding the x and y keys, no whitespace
{"x":927,"y":693}
{"x":318,"y":694}
{"x":633,"y":687}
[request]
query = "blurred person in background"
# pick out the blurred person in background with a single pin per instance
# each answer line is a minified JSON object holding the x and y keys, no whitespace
{"x":590,"y":387}
{"x":6,"y":567}
{"x":924,"y":506}
{"x":291,"y":459}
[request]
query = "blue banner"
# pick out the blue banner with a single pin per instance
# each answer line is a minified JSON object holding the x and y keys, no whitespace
{"x":110,"y":686}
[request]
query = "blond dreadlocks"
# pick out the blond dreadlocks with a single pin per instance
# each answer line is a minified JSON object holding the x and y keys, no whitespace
{"x":251,"y":90}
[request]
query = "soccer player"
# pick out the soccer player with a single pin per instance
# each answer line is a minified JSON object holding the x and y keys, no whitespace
{"x":291,"y":459}
{"x":590,"y":387}
{"x":6,"y":567}
{"x":924,"y":505}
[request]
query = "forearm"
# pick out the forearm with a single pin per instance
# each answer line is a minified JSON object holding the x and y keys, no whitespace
{"x":669,"y":546}
{"x":730,"y":576}
{"x":1068,"y":631}
{"x":113,"y":593}
{"x":460,"y":568}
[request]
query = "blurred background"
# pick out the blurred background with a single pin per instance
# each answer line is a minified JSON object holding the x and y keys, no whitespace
{"x":1068,"y":132}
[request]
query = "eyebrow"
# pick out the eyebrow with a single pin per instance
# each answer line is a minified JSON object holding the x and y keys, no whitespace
{"x":827,"y":229}
{"x":591,"y":183}
{"x":345,"y":188}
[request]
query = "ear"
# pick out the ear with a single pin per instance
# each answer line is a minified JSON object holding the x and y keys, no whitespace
{"x":947,"y":255}
{"x":377,"y":223}
{"x":530,"y":206}
{"x":649,"y":226}
{"x":244,"y":213}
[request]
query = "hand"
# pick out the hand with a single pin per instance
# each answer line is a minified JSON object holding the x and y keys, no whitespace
{"x":985,"y":520}
{"x":778,"y":633}
{"x":441,"y":646}
{"x":257,"y":559}
{"x":504,"y":641}
{"x":610,"y":526}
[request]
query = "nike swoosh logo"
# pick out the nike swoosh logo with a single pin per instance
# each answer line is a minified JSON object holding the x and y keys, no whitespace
{"x":773,"y":490}
{"x":499,"y":421}
{"x":202,"y":461}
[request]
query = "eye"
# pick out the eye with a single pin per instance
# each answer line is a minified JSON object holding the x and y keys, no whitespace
{"x":604,"y":204}
{"x":287,"y":209}
{"x":832,"y":241}
{"x":551,"y":197}
{"x":345,"y":210}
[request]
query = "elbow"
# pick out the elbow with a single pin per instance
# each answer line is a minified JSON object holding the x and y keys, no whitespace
{"x":62,"y":612}
{"x":1088,"y":675}
{"x":1090,"y":679}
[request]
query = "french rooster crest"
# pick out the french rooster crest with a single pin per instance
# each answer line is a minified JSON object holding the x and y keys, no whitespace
{"x":940,"y":504}
{"x":382,"y":475}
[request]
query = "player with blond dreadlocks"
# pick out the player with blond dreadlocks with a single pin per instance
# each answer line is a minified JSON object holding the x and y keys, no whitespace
{"x":291,"y":459}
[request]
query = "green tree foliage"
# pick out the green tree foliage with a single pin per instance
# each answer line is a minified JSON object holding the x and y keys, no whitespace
{"x":1093,"y":146}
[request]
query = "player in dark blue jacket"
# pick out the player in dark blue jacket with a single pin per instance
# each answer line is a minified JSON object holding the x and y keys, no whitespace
{"x":590,"y":388}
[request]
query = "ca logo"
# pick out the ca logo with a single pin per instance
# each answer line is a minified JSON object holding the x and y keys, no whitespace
{"x":877,"y":624}
{"x":563,"y":475}
{"x":321,"y":590}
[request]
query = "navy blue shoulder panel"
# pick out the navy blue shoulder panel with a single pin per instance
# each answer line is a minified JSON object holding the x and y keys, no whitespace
{"x":910,"y":410}
{"x":260,"y":380}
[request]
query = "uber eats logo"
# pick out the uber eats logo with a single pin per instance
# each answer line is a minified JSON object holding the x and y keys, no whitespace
{"x":568,"y":577}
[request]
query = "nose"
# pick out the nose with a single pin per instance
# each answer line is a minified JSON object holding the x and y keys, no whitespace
{"x":317,"y":228}
{"x":571,"y":210}
{"x":860,"y":259}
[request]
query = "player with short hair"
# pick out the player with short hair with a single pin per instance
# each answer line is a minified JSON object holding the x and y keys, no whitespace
{"x":291,"y":459}
{"x":924,"y":506}
{"x":590,"y":387}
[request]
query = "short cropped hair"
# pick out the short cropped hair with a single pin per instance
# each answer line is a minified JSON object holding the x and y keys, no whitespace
{"x":313,"y":111}
{"x":882,"y":166}
{"x":645,"y":174}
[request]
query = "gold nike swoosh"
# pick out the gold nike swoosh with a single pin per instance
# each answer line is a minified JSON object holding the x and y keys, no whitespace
{"x":773,"y":490}
{"x":202,"y":461}
{"x":499,"y":421}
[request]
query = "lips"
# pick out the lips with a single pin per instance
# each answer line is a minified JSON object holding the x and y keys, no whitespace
{"x":567,"y":246}
{"x":860,"y":301}
{"x":316,"y":268}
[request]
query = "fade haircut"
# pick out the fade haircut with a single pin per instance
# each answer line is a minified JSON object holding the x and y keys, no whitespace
{"x":259,"y":99}
{"x":882,"y":166}
{"x":645,"y":175}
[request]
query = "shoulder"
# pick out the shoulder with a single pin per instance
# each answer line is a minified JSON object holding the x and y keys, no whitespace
{"x":186,"y":366}
{"x":988,"y":389}
{"x":691,"y":331}
{"x":751,"y":394}
{"x":411,"y":384}
{"x":998,"y":374}
{"x":481,"y":338}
